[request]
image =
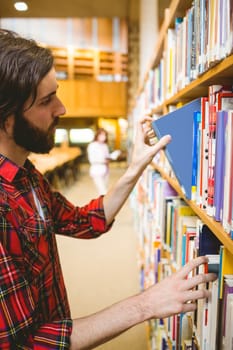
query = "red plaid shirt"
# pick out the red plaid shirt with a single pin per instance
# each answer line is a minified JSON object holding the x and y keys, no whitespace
{"x":34,"y":309}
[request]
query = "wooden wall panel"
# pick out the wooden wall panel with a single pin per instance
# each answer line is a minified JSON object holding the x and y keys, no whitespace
{"x":123,"y":35}
{"x":66,"y":94}
{"x":87,"y":95}
{"x":93,"y":98}
{"x":82,"y":32}
{"x":105,"y":33}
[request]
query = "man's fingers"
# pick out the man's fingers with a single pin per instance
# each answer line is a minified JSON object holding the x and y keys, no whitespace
{"x":150,"y":133}
{"x":146,"y":120}
{"x":189,"y":307}
{"x":192,"y":265}
{"x":199,"y":279}
{"x":192,"y":295}
{"x":162,"y":142}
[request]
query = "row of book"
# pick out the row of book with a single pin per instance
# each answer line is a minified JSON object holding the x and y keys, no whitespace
{"x":170,"y":234}
{"x":211,"y":324}
{"x":201,"y":151}
{"x":199,"y":40}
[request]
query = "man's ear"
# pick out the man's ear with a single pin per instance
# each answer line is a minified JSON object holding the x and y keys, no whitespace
{"x":9,"y":124}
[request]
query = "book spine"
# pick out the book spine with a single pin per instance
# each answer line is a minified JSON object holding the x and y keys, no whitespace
{"x":196,"y":145}
{"x":221,"y":123}
{"x":211,"y":145}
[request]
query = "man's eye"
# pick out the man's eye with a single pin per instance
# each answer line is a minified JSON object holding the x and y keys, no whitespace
{"x":46,"y":101}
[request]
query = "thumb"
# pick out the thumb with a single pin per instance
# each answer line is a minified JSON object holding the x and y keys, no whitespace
{"x":163,"y":142}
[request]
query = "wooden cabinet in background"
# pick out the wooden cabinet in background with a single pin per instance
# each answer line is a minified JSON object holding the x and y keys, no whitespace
{"x":93,"y":98}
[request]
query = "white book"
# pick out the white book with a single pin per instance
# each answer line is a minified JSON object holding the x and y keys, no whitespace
{"x":228,"y":339}
{"x":213,"y":316}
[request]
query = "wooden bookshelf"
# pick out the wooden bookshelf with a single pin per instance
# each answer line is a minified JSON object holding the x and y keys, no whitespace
{"x":177,"y":8}
{"x":221,"y":73}
{"x":216,"y":70}
{"x":83,"y":63}
{"x":90,"y":63}
{"x":215,"y":226}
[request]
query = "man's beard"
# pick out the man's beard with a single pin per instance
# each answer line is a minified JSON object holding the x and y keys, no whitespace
{"x":32,"y":138}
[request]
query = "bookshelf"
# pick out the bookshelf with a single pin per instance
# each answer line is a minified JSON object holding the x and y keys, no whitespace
{"x":215,"y":226}
{"x":169,"y":84}
{"x":221,"y":73}
{"x":92,"y":64}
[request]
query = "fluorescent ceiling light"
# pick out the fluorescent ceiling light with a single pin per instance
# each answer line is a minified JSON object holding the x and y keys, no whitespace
{"x":21,"y":6}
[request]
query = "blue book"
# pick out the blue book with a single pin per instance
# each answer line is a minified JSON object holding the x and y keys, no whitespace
{"x":208,"y":242}
{"x":179,"y":124}
{"x":183,"y":249}
{"x":196,"y":145}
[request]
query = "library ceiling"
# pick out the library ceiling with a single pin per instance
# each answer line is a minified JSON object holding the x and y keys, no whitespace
{"x":67,"y":8}
{"x":76,"y":8}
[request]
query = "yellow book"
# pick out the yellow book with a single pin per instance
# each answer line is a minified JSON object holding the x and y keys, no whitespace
{"x":181,"y":210}
{"x":226,"y":266}
{"x":168,"y":225}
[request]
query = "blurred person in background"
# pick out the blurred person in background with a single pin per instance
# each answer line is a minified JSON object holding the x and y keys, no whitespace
{"x":99,"y":157}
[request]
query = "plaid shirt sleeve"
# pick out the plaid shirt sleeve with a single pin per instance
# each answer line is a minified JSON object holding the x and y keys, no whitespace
{"x":53,"y":336}
{"x":84,"y":222}
{"x":17,"y":307}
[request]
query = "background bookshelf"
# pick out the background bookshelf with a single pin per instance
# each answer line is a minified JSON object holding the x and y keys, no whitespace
{"x":193,"y":52}
{"x":90,"y":64}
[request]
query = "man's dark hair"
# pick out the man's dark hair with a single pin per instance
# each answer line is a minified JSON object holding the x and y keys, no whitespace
{"x":23,"y":64}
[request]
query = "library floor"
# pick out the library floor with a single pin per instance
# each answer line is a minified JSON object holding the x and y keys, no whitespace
{"x":100,"y":272}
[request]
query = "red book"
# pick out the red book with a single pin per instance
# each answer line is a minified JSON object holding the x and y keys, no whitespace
{"x":220,"y":98}
{"x":203,"y":178}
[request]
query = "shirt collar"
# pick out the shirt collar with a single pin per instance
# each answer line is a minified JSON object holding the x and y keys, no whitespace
{"x":9,"y":170}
